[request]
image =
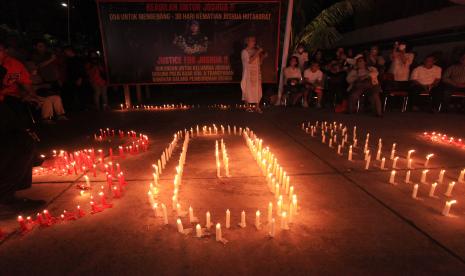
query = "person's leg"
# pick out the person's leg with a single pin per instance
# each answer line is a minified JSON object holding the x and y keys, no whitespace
{"x":57,"y":105}
{"x":354,"y":95}
{"x":375,"y":97}
{"x":104,"y":94}
{"x":47,"y":109}
{"x":414,"y":95}
{"x":319,"y":95}
{"x":97,"y":92}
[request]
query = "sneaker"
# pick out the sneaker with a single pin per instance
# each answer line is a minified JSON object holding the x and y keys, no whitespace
{"x":62,"y":118}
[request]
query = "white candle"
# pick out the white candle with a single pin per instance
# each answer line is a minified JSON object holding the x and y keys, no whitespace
{"x":383,"y":161}
{"x":228,"y":219}
{"x":355,"y":143}
{"x":409,"y":163}
{"x":174,"y":202}
{"x":461,"y":178}
{"x":339,"y":149}
{"x":218,"y":232}
{"x":284,"y":225}
{"x":191,"y":214}
{"x":272,"y":228}
{"x":392,"y":179}
{"x":378,"y":155}
{"x":423,"y":176}
{"x":449,"y":189}
{"x":447,"y":206}
{"x":441,"y":176}
{"x":208,"y":223}
{"x":180,"y":227}
{"x":294,"y":203}
{"x":407,"y":177}
{"x":243,"y":223}
{"x":257,"y":219}
{"x":428,"y":157}
{"x":415,"y":191}
{"x":323,"y":138}
{"x":394,"y":162}
{"x":367,"y":162}
{"x":270,"y":211}
{"x":433,"y":188}
{"x":198,"y":231}
{"x":367,"y":153}
{"x":165,"y":215}
{"x":330,"y":143}
{"x":393,"y":151}
{"x":409,"y":153}
{"x":349,"y":157}
{"x":150,"y":196}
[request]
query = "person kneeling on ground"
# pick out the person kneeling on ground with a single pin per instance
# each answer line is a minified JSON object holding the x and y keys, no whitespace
{"x":363,"y":79}
{"x":453,"y":81}
{"x":313,"y":83}
{"x":425,"y":79}
{"x":17,"y":148}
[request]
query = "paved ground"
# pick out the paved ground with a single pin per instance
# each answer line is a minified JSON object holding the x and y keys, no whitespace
{"x":350,"y":221}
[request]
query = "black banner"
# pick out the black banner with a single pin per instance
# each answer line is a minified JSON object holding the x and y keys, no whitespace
{"x":186,"y":41}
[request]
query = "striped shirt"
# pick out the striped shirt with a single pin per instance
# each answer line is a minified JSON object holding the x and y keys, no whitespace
{"x":454,"y":75}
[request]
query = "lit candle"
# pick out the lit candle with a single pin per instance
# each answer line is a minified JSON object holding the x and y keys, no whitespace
{"x":330,"y":144}
{"x":272,"y":228}
{"x":155,"y":209}
{"x":393,"y":151}
{"x":383,"y":161}
{"x":441,"y":176}
{"x":191,"y":215}
{"x":257,"y":219}
{"x":392,"y":177}
{"x":415,"y":191}
{"x":428,"y":157}
{"x":339,"y":149}
{"x":394,"y":162}
{"x":180,"y":227}
{"x":87,"y":181}
{"x":284,"y":225}
{"x":243,"y":223}
{"x":208,"y":219}
{"x":409,"y":164}
{"x":447,"y":206}
{"x":449,"y":189}
{"x":461,"y":178}
{"x":367,"y":153}
{"x":407,"y":177}
{"x":378,"y":155}
{"x":165,"y":215}
{"x":349,"y":157}
{"x":228,"y":219}
{"x":198,"y":230}
{"x":367,"y":162}
{"x":409,"y":154}
{"x":433,"y":188}
{"x":294,"y":203}
{"x":218,"y":232}
{"x":423,"y":176}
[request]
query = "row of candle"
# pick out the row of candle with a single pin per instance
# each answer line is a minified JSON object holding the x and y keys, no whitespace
{"x":172,"y":107}
{"x":225,"y":159}
{"x":282,"y":208}
{"x":445,"y":139}
{"x":367,"y":157}
{"x":277,"y":180}
{"x":334,"y":129}
{"x":134,"y":144}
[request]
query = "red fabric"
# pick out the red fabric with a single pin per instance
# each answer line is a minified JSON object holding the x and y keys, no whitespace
{"x":95,"y":75}
{"x":16,"y":76}
{"x":340,"y":108}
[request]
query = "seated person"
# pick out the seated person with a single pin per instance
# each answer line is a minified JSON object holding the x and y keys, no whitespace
{"x":16,"y":140}
{"x":50,"y":96}
{"x":363,"y":79}
{"x":425,"y":78}
{"x":453,"y":80}
{"x":313,"y":83}
{"x":293,"y":77}
{"x":302,"y":56}
{"x":336,"y":85}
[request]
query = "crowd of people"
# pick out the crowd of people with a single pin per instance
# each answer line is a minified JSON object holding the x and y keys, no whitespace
{"x":53,"y":81}
{"x":340,"y":80}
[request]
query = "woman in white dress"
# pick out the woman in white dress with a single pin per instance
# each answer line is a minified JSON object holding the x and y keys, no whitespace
{"x":251,"y":83}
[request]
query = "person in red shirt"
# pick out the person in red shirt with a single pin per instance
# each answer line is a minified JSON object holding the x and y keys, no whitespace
{"x":97,"y":79}
{"x":17,"y":79}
